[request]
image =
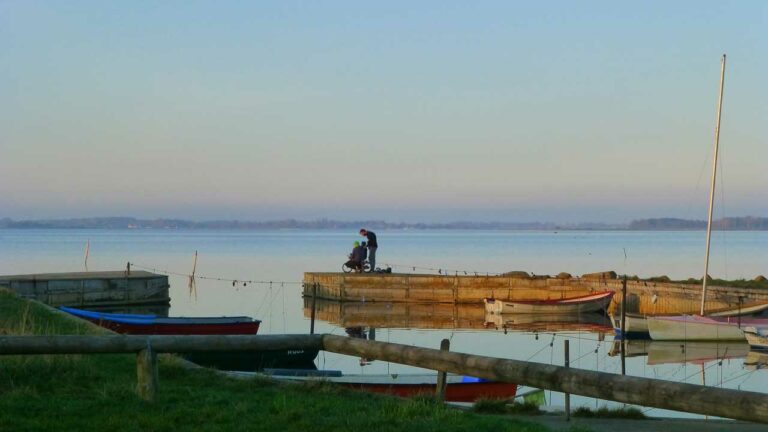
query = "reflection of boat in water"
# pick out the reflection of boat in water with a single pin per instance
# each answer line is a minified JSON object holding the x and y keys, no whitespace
{"x":458,"y":389}
{"x":665,"y":352}
{"x":581,"y":304}
{"x":592,"y":322}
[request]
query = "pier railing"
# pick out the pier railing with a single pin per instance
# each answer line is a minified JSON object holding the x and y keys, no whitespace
{"x":735,"y":404}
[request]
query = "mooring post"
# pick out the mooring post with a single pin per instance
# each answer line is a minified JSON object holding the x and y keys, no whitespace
{"x":567,"y":395}
{"x":623,"y":324}
{"x":146,"y":372}
{"x":314,"y":305}
{"x":445,"y":345}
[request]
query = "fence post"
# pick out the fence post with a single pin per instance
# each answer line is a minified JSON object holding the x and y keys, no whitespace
{"x":146,"y":372}
{"x":445,"y":345}
{"x":314,"y":306}
{"x":623,"y":325}
{"x":567,"y":395}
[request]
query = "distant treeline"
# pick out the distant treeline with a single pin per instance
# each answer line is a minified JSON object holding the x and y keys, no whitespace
{"x":740,"y":223}
{"x":747,"y":223}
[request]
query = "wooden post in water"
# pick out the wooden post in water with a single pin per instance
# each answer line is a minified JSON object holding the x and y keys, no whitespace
{"x":567,"y":395}
{"x":623,"y":324}
{"x":445,"y":345}
{"x":314,"y":306}
{"x":146,"y":372}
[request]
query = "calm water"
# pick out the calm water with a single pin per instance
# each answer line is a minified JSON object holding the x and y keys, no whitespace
{"x":284,"y":256}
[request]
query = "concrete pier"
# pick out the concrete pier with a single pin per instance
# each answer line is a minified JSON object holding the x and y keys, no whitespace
{"x":91,"y":289}
{"x":643,"y":296}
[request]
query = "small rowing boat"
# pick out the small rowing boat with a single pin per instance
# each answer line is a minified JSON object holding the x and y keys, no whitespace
{"x":587,"y":303}
{"x":140,"y":324}
{"x":458,"y":388}
{"x":146,"y":324}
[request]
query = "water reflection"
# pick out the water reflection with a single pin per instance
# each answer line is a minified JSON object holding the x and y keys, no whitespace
{"x":588,"y":322}
{"x":398,"y":315}
{"x":434,"y":316}
{"x":676,"y":352}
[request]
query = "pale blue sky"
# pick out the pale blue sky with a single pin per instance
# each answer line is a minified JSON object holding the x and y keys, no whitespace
{"x":417,"y":111}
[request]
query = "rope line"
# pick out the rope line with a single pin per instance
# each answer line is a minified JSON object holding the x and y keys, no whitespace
{"x":215,"y":278}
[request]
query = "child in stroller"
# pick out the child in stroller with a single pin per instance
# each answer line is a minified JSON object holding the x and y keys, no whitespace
{"x":357,"y":259}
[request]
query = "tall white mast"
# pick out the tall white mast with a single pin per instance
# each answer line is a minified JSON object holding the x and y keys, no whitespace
{"x":712,"y":189}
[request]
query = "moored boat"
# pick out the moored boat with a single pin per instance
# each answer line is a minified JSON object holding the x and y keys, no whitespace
{"x":587,"y":303}
{"x":458,"y":388}
{"x":636,"y":326}
{"x":757,"y":337}
{"x":696,"y":327}
{"x":141,"y":324}
{"x":147,"y":324}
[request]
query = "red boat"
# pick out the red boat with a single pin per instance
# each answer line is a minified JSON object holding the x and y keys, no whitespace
{"x":458,"y":389}
{"x":154,"y":325}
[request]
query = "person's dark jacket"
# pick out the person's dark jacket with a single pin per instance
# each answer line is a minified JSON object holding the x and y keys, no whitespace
{"x":371,"y":239}
{"x":359,"y":254}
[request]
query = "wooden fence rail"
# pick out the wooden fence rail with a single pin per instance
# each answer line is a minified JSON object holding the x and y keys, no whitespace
{"x":692,"y":398}
{"x":160,"y":344}
{"x":742,"y":405}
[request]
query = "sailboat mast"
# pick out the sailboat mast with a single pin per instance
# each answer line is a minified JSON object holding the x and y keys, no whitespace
{"x":712,"y":189}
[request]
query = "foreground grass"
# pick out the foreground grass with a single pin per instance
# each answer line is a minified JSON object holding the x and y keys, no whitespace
{"x":605,"y":412}
{"x":96,"y":392}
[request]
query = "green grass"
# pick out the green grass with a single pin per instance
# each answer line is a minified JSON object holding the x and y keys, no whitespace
{"x":96,"y":393}
{"x":605,"y":412}
{"x":495,"y":406}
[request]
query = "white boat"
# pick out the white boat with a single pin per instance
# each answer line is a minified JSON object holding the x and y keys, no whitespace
{"x":587,"y":303}
{"x":636,"y":325}
{"x":757,"y":337}
{"x":702,"y":328}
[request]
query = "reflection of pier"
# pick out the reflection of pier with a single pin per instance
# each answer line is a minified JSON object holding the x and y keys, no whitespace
{"x":447,"y":316}
{"x":398,"y":315}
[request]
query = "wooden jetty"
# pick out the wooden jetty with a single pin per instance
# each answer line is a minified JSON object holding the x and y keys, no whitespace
{"x":643,"y":296}
{"x":91,"y":289}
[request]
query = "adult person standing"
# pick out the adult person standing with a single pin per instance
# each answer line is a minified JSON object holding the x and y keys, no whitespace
{"x":372,"y":246}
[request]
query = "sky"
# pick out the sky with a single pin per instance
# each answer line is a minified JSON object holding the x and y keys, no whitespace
{"x":404,"y":111}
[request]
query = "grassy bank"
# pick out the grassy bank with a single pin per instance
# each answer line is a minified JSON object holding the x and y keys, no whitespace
{"x":96,"y":392}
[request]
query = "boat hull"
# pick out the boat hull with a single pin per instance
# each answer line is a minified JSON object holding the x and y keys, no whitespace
{"x":757,"y":338}
{"x":694,"y":327}
{"x":458,"y":388}
{"x":255,"y":361}
{"x":138,"y":324}
{"x":635,"y":326}
{"x":582,"y":304}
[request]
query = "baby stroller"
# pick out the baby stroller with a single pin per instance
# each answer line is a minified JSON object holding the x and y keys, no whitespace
{"x":358,"y":260}
{"x":350,"y":266}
